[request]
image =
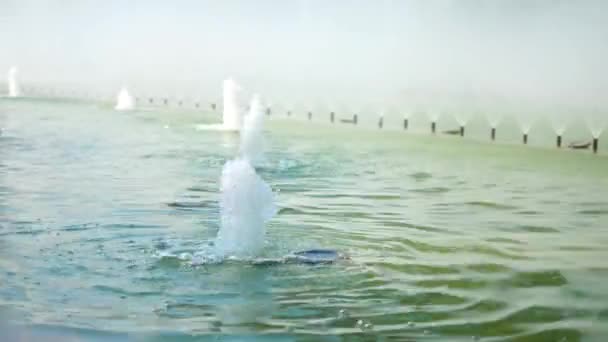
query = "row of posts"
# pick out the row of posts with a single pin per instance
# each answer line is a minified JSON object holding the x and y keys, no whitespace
{"x":332,"y":117}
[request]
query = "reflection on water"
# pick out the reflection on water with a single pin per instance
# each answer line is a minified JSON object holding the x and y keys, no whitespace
{"x":101,"y":225}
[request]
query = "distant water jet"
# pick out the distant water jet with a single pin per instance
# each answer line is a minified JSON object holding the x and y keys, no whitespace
{"x":462,"y":117}
{"x":596,"y":121}
{"x":525,"y":120}
{"x":124,"y":101}
{"x":232,"y":116}
{"x":559,"y":122}
{"x":13,"y":85}
{"x":433,"y":117}
{"x":246,"y":201}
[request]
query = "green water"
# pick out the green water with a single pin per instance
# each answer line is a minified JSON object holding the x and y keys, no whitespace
{"x":450,"y":239}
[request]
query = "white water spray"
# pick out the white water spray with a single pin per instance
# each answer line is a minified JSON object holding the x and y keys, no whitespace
{"x":13,"y":85}
{"x":232,"y":118}
{"x":124,"y":100}
{"x":246,"y":202}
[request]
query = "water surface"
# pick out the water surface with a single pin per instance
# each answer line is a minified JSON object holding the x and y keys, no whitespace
{"x":102,"y":214}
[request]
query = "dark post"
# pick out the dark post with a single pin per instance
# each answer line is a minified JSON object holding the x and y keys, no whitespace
{"x":288,"y":113}
{"x":196,"y":105}
{"x":213,"y":106}
{"x":462,"y":131}
{"x":179,"y":103}
{"x":595,"y":144}
{"x":332,"y":117}
{"x":355,"y":119}
{"x":309,"y":116}
{"x":433,"y":127}
{"x":268,"y":111}
{"x":166,"y":101}
{"x":559,"y":141}
{"x":525,"y":138}
{"x":493,"y":134}
{"x":151,"y":100}
{"x":405,"y":123}
{"x":381,"y":122}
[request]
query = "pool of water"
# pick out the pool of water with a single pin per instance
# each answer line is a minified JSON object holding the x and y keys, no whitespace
{"x":102,"y":215}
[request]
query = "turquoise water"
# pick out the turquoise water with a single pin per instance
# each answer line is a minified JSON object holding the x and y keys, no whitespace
{"x":102,"y":214}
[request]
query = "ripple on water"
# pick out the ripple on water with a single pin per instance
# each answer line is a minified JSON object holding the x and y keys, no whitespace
{"x":491,"y":205}
{"x":548,"y":278}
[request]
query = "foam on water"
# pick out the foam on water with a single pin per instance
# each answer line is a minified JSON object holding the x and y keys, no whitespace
{"x":124,"y":100}
{"x":246,"y":201}
{"x":13,"y":85}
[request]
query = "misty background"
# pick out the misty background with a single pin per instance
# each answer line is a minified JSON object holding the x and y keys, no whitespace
{"x":520,"y":56}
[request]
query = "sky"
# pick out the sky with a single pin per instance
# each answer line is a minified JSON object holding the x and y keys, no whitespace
{"x":447,"y":54}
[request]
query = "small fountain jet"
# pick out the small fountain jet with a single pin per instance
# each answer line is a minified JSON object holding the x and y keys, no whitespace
{"x":13,"y":85}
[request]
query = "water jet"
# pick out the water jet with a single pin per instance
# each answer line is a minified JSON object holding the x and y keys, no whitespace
{"x":124,"y":101}
{"x":13,"y":85}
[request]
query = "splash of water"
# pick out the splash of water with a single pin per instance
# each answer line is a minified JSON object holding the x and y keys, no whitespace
{"x":596,"y":120}
{"x":560,"y":120}
{"x":494,"y":118}
{"x":246,"y":201}
{"x":13,"y":85}
{"x":124,"y":100}
{"x":251,"y":147}
{"x":232,"y":118}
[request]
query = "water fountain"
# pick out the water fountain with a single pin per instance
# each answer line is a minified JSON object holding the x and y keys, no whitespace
{"x":13,"y":84}
{"x":124,"y":100}
{"x":433,"y":117}
{"x":246,"y":202}
{"x":525,"y":120}
{"x":596,"y":122}
{"x":232,"y":117}
{"x":462,"y":116}
{"x":559,"y":119}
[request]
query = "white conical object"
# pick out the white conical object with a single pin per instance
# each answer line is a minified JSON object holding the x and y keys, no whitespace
{"x":13,"y":84}
{"x":124,"y":100}
{"x":232,"y":117}
{"x":246,"y":200}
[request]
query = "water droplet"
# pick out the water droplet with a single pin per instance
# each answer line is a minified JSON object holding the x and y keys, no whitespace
{"x":359,"y":323}
{"x":368,"y":326}
{"x":411,"y":324}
